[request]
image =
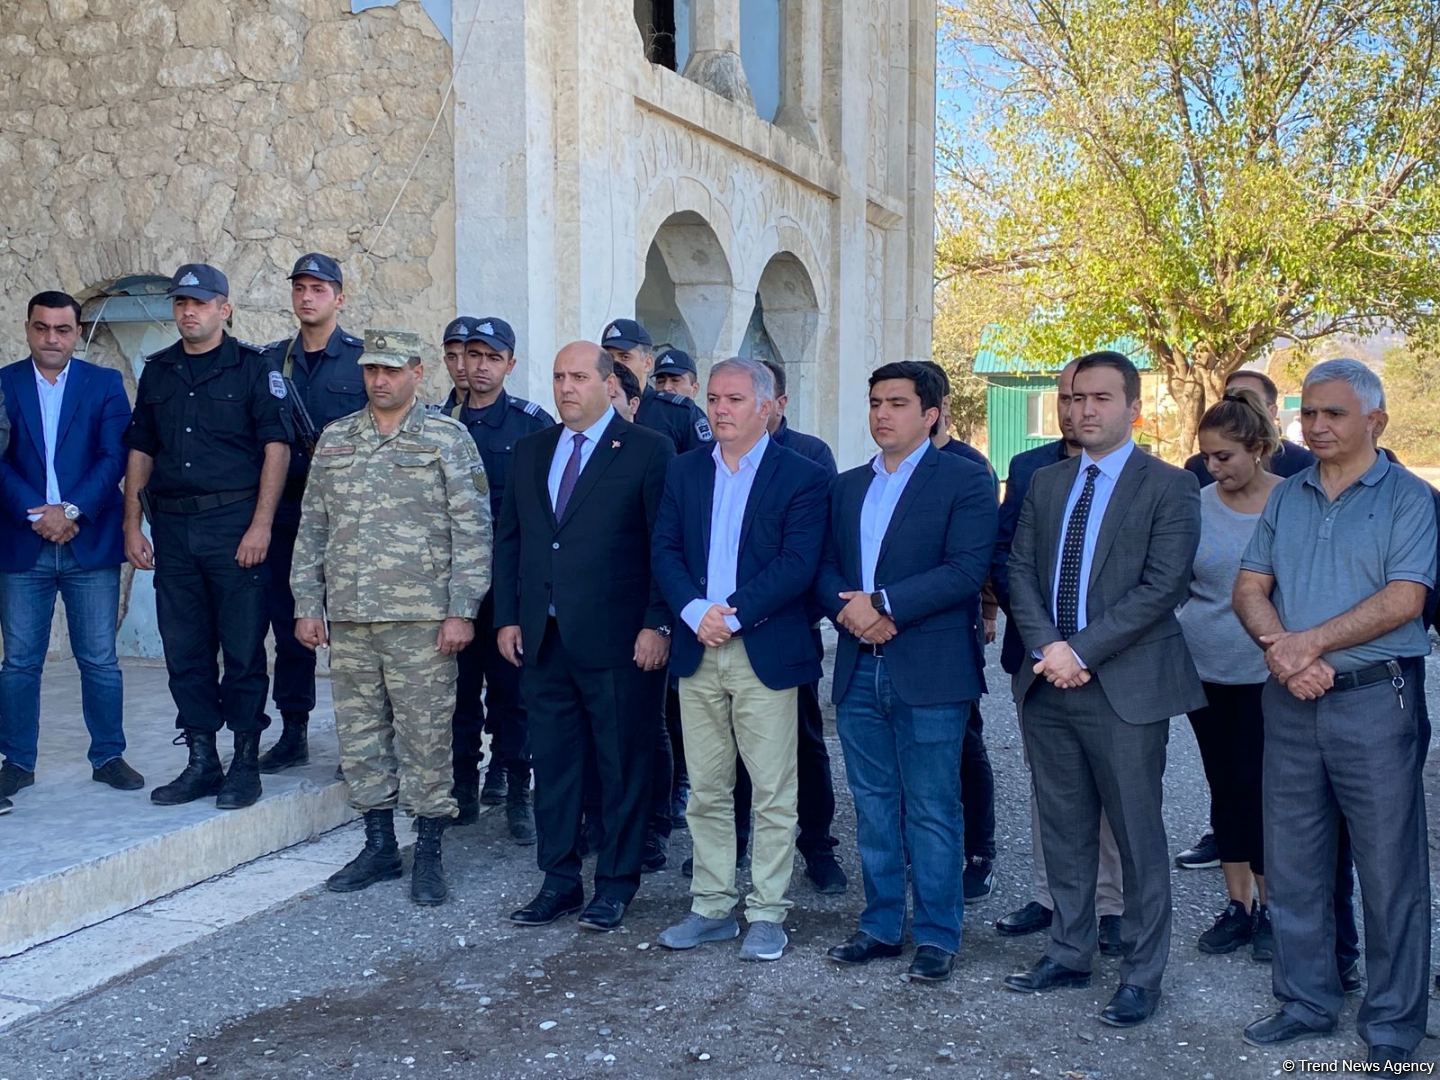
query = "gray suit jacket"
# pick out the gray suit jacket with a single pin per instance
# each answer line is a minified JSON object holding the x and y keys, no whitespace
{"x":1140,"y":573}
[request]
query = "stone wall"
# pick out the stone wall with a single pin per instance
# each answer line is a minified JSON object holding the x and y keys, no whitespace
{"x":139,"y":134}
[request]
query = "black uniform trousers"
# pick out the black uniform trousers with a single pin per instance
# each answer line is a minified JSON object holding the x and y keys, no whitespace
{"x":570,"y":706}
{"x":662,"y":758}
{"x":977,"y":789}
{"x":293,"y":684}
{"x":207,"y":606}
{"x":1360,"y":754}
{"x":502,"y":711}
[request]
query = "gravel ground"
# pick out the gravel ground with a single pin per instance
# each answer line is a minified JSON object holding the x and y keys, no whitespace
{"x":368,"y":985}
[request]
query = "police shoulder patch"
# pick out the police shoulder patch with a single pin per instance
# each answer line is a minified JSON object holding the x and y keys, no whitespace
{"x":702,"y":428}
{"x":351,"y":339}
{"x":277,"y":385}
{"x":529,"y":408}
{"x":250,"y":345}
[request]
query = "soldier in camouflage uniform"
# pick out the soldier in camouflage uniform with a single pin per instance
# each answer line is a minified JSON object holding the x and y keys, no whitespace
{"x":394,"y":546}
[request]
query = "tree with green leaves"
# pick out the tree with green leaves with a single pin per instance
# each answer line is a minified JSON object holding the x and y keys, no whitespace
{"x":1210,"y":179}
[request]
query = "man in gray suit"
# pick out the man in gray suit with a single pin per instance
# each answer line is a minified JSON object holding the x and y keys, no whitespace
{"x":1101,"y":556}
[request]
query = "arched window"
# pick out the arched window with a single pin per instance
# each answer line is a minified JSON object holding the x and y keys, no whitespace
{"x":665,"y":29}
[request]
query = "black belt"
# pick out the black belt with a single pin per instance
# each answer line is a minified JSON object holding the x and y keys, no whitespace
{"x":872,"y":650}
{"x":198,"y":504}
{"x":1384,"y":671}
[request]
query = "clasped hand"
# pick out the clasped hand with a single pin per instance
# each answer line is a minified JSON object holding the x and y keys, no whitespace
{"x":1060,"y":667}
{"x":860,"y":618}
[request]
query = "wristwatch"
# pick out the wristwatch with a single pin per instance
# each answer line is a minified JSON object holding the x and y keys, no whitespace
{"x":663,"y":631}
{"x":877,"y":598}
{"x":72,"y":512}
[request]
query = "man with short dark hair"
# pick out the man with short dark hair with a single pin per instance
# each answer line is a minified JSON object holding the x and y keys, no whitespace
{"x":452,"y":344}
{"x":497,"y":421}
{"x":1101,"y":557}
{"x":626,"y":397}
{"x":321,"y":365}
{"x":60,"y":531}
{"x":1334,"y":586}
{"x":209,"y":449}
{"x":673,"y":415}
{"x":906,"y":556}
{"x":675,"y":373}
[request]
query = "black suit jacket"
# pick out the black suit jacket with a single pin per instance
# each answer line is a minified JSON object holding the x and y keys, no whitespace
{"x":594,"y":563}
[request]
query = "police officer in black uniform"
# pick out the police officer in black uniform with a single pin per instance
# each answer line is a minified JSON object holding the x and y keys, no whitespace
{"x":671,"y":414}
{"x":321,"y":366}
{"x":209,"y":448}
{"x":675,"y":373}
{"x":497,"y":420}
{"x":452,"y":344}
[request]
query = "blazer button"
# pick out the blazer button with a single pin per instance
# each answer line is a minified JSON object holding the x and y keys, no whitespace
{"x":555,"y":546}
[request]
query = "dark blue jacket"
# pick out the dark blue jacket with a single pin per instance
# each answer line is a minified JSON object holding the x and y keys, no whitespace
{"x":781,"y":535}
{"x":333,"y":388}
{"x":933,"y":563}
{"x":89,"y":463}
{"x":810,"y":447}
{"x":1022,"y":468}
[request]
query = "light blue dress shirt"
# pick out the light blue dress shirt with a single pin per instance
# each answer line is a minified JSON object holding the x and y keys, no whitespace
{"x":52,"y":396}
{"x":881,"y":498}
{"x":566,"y":446}
{"x":727,"y":514}
{"x":1110,"y":467}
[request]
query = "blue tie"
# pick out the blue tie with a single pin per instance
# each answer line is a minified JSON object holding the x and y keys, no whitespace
{"x":569,"y":477}
{"x":1072,"y":555}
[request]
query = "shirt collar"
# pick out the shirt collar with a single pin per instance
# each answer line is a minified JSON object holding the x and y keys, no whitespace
{"x":911,"y":462}
{"x":1113,"y":463}
{"x":1369,"y":478}
{"x":493,"y":414}
{"x":59,"y":379}
{"x":750,"y":459}
{"x":594,"y":431}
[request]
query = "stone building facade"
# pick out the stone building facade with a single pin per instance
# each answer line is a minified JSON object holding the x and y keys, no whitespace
{"x":774,"y":195}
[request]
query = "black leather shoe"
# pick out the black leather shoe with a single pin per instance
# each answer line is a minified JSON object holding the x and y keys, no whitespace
{"x":825,"y":874}
{"x":13,"y":778}
{"x":497,"y":785}
{"x":118,"y":775}
{"x":379,"y":859}
{"x":1383,"y":1055}
{"x":931,"y":964}
{"x":6,"y":805}
{"x":1352,"y":979}
{"x":293,"y":746}
{"x":1046,"y":975}
{"x":548,"y":906}
{"x":978,"y":879}
{"x":656,"y":854}
{"x":427,"y":870}
{"x":1279,"y":1028}
{"x":241,"y":787}
{"x":1131,"y":1005}
{"x":1111,"y":943}
{"x":861,"y":948}
{"x":602,"y":913}
{"x":202,"y":775}
{"x":1030,"y":919}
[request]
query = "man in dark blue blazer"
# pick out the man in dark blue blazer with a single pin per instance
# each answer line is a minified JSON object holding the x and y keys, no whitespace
{"x":906,"y":556}
{"x":60,"y":531}
{"x":735,"y":551}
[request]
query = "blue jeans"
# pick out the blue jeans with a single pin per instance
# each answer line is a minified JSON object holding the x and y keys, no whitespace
{"x":92,"y":605}
{"x":900,"y":754}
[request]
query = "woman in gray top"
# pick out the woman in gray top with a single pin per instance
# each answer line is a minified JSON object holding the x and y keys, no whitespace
{"x":1236,"y":437}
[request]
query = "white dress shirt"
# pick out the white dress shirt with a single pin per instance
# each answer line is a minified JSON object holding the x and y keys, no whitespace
{"x":52,"y":396}
{"x":727,"y":514}
{"x":566,"y":446}
{"x":1110,"y":466}
{"x":881,"y":498}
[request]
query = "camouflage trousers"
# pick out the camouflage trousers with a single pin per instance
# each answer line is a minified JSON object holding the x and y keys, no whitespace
{"x":394,"y":694}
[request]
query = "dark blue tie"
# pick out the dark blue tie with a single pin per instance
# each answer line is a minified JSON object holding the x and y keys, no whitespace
{"x":1072,"y":554}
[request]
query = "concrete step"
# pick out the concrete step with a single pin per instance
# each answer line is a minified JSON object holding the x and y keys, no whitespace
{"x":75,"y":852}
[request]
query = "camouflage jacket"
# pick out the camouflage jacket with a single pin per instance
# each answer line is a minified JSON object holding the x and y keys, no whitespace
{"x":393,"y":528}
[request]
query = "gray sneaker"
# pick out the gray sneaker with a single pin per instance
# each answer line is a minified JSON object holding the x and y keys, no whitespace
{"x":697,"y":929}
{"x":764,"y":941}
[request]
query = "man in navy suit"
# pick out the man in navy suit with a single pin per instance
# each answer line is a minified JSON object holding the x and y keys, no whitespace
{"x":60,"y":531}
{"x":906,"y":555}
{"x":735,"y":551}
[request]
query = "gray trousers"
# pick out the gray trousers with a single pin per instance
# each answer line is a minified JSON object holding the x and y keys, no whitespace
{"x":1358,"y":753}
{"x":1084,"y":758}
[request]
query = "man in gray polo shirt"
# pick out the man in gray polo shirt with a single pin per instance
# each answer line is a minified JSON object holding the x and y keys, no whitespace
{"x":1333,"y":585}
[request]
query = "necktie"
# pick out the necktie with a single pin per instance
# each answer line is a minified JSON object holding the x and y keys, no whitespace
{"x":569,"y":476}
{"x":1072,"y":554}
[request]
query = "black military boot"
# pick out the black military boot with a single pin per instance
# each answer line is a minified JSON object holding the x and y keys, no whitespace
{"x":203,"y":774}
{"x":466,"y":791}
{"x":242,"y":781}
{"x":427,"y":875}
{"x":519,"y":812}
{"x":293,"y":746}
{"x":496,"y":786}
{"x":379,"y":859}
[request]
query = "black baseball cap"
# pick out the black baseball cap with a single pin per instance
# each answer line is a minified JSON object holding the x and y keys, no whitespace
{"x":493,"y":331}
{"x":624,"y":334}
{"x":674,"y":361}
{"x":318,"y":266}
{"x":460,"y":328}
{"x":199,"y":281}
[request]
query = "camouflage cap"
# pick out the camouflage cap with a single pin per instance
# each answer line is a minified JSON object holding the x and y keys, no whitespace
{"x":391,"y":348}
